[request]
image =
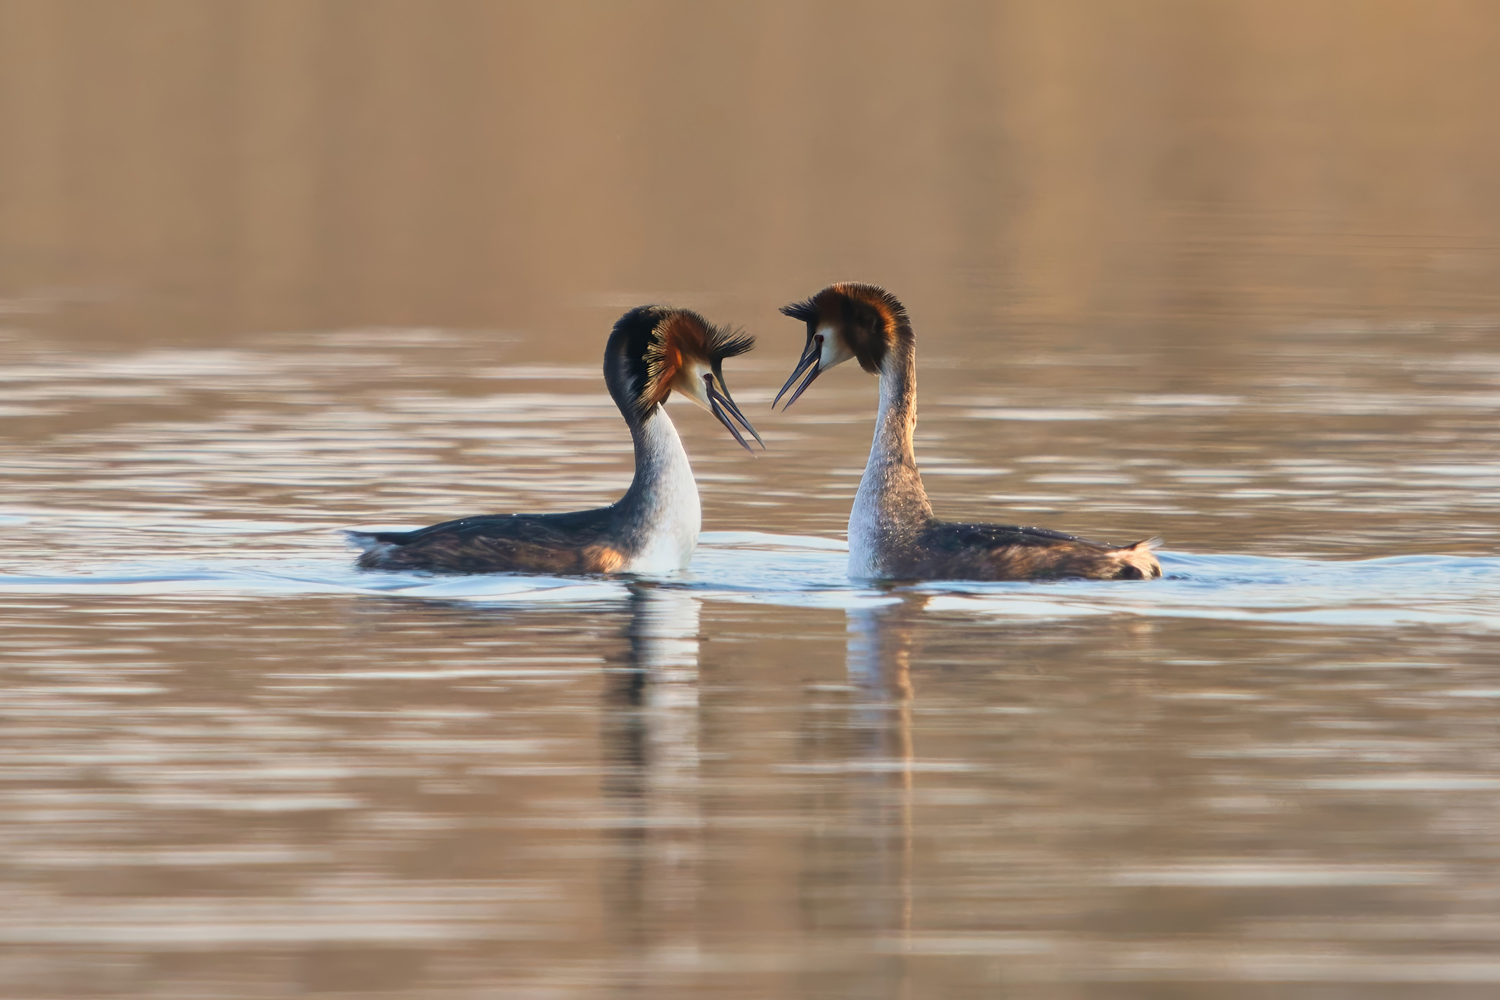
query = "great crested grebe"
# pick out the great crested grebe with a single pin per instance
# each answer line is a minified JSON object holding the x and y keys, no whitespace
{"x":653,"y":528}
{"x":892,"y":533}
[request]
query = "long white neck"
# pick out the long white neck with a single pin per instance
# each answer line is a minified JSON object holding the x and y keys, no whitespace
{"x":891,"y":503}
{"x":661,"y":508}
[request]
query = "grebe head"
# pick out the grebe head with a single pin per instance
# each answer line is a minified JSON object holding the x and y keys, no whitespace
{"x":654,"y":350}
{"x":846,"y":320}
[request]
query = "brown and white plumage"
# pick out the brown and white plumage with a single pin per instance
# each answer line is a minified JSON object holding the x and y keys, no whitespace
{"x":652,"y":352}
{"x":893,"y":534}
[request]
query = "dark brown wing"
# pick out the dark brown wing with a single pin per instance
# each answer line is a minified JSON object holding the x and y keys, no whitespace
{"x":1006,"y":552}
{"x":563,"y":544}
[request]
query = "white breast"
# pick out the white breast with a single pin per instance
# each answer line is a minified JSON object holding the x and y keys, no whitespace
{"x":864,"y":532}
{"x":674,"y":515}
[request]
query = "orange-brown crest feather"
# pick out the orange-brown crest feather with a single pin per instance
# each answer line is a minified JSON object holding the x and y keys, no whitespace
{"x":677,"y":337}
{"x":892,"y":314}
{"x":680,"y":336}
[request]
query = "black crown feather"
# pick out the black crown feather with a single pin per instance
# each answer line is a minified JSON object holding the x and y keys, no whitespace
{"x":806,"y":311}
{"x":726,"y":342}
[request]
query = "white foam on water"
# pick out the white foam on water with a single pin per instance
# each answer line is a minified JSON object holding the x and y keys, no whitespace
{"x":808,"y":572}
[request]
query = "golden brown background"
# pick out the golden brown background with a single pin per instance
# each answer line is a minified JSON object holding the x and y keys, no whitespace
{"x":208,"y":168}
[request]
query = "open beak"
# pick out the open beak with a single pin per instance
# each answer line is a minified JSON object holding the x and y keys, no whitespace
{"x":809,"y":363}
{"x":716,"y":400}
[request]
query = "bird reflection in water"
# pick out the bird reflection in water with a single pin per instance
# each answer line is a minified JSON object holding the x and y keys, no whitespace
{"x":655,"y":884}
{"x":878,"y":661}
{"x":652,"y":780}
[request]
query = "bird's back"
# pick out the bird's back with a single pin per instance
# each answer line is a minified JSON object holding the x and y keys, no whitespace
{"x":956,"y":551}
{"x":564,"y":544}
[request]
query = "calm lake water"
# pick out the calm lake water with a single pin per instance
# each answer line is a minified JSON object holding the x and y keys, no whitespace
{"x":1227,"y":273}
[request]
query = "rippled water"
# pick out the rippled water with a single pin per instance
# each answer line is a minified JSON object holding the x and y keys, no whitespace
{"x":1225,"y":273}
{"x":235,"y":764}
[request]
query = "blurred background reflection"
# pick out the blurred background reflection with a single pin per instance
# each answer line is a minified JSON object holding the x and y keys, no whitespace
{"x":176,"y":171}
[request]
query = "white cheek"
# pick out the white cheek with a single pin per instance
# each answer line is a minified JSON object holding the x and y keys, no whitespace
{"x":834,"y":351}
{"x":825,"y":357}
{"x":689,"y":382}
